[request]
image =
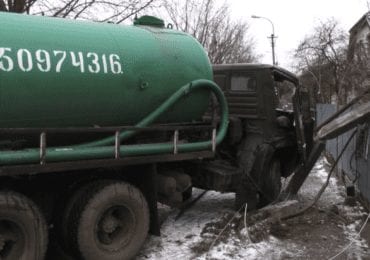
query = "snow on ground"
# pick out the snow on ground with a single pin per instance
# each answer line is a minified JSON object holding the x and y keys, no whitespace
{"x":319,"y":234}
{"x":333,"y":194}
{"x":190,"y":236}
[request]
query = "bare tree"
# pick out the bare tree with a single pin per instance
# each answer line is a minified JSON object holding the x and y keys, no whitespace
{"x":16,"y":6}
{"x":115,"y":11}
{"x":323,"y":54}
{"x":226,"y":41}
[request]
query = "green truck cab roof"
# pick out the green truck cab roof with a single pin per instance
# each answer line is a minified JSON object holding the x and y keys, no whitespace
{"x":276,"y":70}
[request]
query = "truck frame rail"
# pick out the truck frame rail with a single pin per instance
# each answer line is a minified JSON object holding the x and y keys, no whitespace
{"x":117,"y":160}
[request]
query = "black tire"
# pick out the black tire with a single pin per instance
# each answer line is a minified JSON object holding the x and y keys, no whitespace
{"x":64,"y":217}
{"x":23,"y":229}
{"x":261,"y":186}
{"x":270,"y":184}
{"x":246,"y":194}
{"x":109,"y":221}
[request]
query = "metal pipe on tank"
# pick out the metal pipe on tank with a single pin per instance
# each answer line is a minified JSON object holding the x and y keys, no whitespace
{"x":99,"y":152}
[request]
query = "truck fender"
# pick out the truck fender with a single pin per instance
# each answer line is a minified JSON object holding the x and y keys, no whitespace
{"x":247,"y":152}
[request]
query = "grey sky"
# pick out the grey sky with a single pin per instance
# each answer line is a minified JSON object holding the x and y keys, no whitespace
{"x":293,"y":19}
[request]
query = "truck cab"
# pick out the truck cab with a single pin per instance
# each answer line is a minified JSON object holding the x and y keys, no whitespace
{"x":270,"y":133}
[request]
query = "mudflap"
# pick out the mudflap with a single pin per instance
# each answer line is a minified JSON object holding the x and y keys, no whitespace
{"x":148,"y":186}
{"x":246,"y":191}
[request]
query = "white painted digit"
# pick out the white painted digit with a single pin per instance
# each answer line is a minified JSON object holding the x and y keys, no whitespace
{"x":79,"y":62}
{"x":4,"y":57}
{"x":115,"y":64}
{"x":94,"y":67}
{"x":62,"y":55}
{"x":43,"y":60}
{"x":24,"y":60}
{"x":105,"y":65}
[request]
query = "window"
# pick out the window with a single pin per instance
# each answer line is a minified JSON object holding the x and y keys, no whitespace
{"x":241,"y":82}
{"x":284,"y":92}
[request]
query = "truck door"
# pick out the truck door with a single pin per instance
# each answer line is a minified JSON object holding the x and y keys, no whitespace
{"x":304,"y":121}
{"x":298,"y":105}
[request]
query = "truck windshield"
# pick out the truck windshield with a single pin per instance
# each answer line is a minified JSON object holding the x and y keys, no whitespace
{"x":284,"y":92}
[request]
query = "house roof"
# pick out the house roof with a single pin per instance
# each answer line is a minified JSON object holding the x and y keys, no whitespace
{"x":365,"y":19}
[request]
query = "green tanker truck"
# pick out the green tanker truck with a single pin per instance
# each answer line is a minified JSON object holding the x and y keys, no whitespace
{"x":99,"y":122}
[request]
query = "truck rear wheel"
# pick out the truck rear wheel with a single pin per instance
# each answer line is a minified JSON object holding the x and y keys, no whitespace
{"x":110,"y":222}
{"x":23,"y":229}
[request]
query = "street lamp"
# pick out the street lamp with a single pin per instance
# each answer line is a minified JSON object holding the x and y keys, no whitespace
{"x":272,"y":37}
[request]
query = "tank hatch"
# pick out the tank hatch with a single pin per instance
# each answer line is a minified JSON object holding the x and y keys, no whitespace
{"x":149,"y":21}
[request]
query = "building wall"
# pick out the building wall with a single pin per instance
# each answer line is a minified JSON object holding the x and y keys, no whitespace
{"x":363,"y":35}
{"x":355,"y":161}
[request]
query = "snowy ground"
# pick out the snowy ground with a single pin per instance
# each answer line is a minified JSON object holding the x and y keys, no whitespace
{"x":320,"y":233}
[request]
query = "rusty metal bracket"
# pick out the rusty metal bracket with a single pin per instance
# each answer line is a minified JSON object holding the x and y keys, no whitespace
{"x":175,"y":141}
{"x":117,"y":145}
{"x":42,"y":148}
{"x":214,"y":134}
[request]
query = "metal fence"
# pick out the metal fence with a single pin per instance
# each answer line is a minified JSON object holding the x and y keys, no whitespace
{"x":355,"y":161}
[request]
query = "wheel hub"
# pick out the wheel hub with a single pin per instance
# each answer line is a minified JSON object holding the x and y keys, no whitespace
{"x":110,"y":224}
{"x":116,"y":226}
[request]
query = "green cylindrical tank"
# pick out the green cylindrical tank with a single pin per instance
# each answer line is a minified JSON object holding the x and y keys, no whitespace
{"x":57,"y":72}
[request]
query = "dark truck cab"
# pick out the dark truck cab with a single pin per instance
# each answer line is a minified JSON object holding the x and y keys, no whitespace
{"x":270,"y":133}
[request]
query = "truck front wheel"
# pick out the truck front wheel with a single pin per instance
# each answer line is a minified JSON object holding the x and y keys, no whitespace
{"x":270,"y":182}
{"x":110,"y":222}
{"x":266,"y":174}
{"x":23,"y":229}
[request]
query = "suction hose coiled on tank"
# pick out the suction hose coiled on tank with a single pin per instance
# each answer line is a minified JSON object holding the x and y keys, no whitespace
{"x":102,"y":148}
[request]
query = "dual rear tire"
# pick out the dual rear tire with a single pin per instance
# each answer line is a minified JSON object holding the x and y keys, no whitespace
{"x":105,"y":220}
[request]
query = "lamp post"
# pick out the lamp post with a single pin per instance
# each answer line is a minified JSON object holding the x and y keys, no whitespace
{"x":272,"y":37}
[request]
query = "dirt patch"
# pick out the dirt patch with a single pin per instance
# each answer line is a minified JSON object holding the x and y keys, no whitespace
{"x":317,"y":233}
{"x":217,"y":232}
